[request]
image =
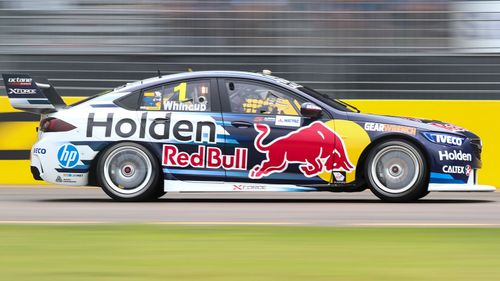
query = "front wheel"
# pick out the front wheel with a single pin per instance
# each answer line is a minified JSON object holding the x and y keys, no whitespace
{"x":396,"y":171}
{"x":129,"y":172}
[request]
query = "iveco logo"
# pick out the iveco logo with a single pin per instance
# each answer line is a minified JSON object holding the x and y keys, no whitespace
{"x":444,"y":139}
{"x":16,"y":91}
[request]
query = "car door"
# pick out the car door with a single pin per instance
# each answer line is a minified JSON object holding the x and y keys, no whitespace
{"x":184,"y":122}
{"x":265,"y":120}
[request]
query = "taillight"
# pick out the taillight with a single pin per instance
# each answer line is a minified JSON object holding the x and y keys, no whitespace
{"x":55,"y":125}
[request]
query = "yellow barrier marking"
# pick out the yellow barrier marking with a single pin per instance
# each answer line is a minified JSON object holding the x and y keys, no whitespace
{"x":18,"y":135}
{"x":481,"y":121}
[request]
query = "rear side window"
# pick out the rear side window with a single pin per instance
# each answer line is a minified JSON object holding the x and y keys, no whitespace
{"x":130,"y":101}
{"x":180,"y":96}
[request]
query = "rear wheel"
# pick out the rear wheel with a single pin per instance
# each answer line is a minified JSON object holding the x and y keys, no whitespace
{"x":129,"y":172}
{"x":396,"y":171}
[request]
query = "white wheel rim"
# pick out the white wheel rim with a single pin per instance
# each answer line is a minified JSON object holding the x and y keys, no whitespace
{"x":127,"y":170}
{"x":395,"y":169}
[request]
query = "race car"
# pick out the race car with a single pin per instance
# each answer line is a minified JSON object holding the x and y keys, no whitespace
{"x":229,"y":131}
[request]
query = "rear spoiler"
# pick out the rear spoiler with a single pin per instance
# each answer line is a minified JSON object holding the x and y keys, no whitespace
{"x":26,"y":94}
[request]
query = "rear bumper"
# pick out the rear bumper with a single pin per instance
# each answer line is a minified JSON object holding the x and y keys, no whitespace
{"x":461,"y":187}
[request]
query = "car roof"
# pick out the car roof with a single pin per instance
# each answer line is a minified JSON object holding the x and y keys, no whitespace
{"x":149,"y":82}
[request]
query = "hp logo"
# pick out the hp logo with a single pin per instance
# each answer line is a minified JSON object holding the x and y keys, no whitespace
{"x":68,"y":156}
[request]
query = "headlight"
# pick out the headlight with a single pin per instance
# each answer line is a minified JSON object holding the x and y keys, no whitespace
{"x":442,"y":138}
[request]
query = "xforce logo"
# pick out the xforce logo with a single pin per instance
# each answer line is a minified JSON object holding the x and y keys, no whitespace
{"x":18,"y":81}
{"x":16,"y":91}
{"x":160,"y":128}
{"x":455,"y":155}
{"x":462,"y":170}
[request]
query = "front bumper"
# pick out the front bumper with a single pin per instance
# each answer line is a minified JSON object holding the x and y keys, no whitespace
{"x":470,"y":186}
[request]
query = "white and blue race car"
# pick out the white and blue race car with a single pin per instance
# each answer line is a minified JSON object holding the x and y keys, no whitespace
{"x":238,"y":131}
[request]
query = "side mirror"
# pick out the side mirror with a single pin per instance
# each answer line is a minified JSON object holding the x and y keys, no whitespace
{"x":310,"y":110}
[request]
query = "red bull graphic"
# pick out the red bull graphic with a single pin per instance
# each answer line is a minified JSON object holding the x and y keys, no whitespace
{"x":316,"y":147}
{"x":206,"y":157}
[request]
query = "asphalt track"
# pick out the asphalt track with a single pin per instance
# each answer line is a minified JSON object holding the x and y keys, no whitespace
{"x":90,"y":205}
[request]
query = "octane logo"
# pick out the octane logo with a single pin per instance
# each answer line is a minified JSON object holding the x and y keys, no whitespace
{"x":316,"y":147}
{"x":68,"y":156}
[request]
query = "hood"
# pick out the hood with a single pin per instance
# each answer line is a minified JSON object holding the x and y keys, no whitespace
{"x":421,"y":124}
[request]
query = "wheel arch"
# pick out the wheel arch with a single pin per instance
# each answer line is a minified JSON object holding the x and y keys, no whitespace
{"x":360,"y":167}
{"x":93,"y":164}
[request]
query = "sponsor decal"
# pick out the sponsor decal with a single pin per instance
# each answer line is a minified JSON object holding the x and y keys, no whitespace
{"x":379,"y":127}
{"x":65,"y":179}
{"x":17,"y":81}
{"x":264,"y":119}
{"x":73,"y":175}
{"x":18,"y":91}
{"x":468,"y":170}
{"x":160,"y":129}
{"x":38,"y":150}
{"x":450,"y":127}
{"x":68,"y":156}
{"x":455,"y":155}
{"x":206,"y":157}
{"x":316,"y":147}
{"x":246,"y":187}
{"x":180,"y":106}
{"x":463,"y":170}
{"x":291,"y":121}
{"x":411,"y":118}
{"x":339,"y":177}
{"x":444,"y":138}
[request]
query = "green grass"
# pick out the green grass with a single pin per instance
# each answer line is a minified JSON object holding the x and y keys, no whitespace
{"x":156,"y":252}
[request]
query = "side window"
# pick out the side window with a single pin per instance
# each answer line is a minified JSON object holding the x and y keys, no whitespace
{"x":181,"y":96}
{"x":256,"y":98}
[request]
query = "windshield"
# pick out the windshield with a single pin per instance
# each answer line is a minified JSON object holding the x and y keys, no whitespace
{"x":337,"y":104}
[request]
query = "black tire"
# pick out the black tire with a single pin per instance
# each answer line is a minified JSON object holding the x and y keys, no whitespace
{"x":425,"y":193}
{"x":396,"y":171}
{"x":129,"y":172}
{"x":159,"y":191}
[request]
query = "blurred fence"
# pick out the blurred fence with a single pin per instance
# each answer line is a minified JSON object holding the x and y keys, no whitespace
{"x":236,"y":27}
{"x":353,"y":49}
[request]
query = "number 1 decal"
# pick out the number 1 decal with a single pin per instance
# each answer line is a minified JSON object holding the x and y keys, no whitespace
{"x":181,"y":88}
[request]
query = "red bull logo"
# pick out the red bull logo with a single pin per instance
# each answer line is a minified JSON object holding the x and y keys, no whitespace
{"x":316,"y":147}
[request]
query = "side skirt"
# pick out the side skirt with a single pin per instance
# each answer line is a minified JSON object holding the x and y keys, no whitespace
{"x":208,"y":186}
